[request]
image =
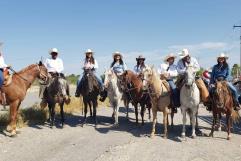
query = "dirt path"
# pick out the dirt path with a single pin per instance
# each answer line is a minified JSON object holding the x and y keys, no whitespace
{"x":128,"y":142}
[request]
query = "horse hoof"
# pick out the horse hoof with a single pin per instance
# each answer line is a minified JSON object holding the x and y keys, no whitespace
{"x":211,"y":135}
{"x":165,"y":137}
{"x":194,"y":136}
{"x":219,"y":129}
{"x":152,"y":135}
{"x":13,"y":133}
{"x":183,"y":135}
{"x":229,"y":138}
{"x":115,"y":125}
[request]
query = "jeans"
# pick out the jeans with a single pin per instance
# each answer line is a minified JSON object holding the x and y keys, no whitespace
{"x":100,"y":83}
{"x":175,"y":93}
{"x":234,"y":91}
{"x":1,"y":78}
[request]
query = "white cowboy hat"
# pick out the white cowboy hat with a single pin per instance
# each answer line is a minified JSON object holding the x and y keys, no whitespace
{"x":184,"y":53}
{"x":140,"y":57}
{"x":53,"y":50}
{"x":171,"y":55}
{"x":117,"y":53}
{"x":222,"y":55}
{"x":89,"y":51}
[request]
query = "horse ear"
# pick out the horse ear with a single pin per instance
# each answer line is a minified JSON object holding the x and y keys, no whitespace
{"x":125,"y":72}
{"x":40,"y":63}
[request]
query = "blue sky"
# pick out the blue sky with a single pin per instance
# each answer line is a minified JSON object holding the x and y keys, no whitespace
{"x":29,"y":28}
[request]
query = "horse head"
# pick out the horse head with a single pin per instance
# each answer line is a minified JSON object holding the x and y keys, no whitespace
{"x":109,"y":76}
{"x":42,"y":71}
{"x":220,"y":93}
{"x":189,"y":76}
{"x":147,"y":77}
{"x":89,"y":82}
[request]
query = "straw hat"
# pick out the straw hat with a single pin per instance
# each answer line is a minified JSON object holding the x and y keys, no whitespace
{"x":140,"y":57}
{"x":53,"y":50}
{"x":222,"y":55}
{"x":171,"y":55}
{"x":89,"y":51}
{"x":184,"y":53}
{"x":117,"y":53}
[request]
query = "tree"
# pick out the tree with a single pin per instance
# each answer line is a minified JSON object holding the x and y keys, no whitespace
{"x":235,"y":72}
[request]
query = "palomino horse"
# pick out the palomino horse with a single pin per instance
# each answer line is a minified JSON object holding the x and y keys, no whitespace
{"x":190,"y":99}
{"x":114,"y":92}
{"x":160,"y":97}
{"x":134,"y":88}
{"x":90,"y":91}
{"x":222,"y":102}
{"x":16,"y":91}
{"x":56,"y":91}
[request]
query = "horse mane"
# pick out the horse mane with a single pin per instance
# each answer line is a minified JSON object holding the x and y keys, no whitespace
{"x":26,"y":69}
{"x":156,"y":81}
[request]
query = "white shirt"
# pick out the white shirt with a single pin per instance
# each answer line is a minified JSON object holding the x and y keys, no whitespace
{"x":89,"y":65}
{"x":2,"y":62}
{"x":54,"y":65}
{"x":171,"y":71}
{"x":193,"y":62}
{"x":139,"y":69}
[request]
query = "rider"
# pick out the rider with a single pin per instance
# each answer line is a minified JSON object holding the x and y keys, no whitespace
{"x":118,"y":66}
{"x":54,"y":65}
{"x":90,"y":63}
{"x":140,"y":66}
{"x":221,"y":72}
{"x":3,"y":69}
{"x":168,"y":71}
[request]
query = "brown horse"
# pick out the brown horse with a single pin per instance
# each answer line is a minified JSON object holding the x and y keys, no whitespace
{"x":222,"y":102}
{"x":16,"y":91}
{"x":134,"y":88}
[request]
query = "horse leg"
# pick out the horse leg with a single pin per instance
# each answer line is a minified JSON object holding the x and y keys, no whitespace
{"x":52,"y":115}
{"x":49,"y":119}
{"x":143,"y":110}
{"x":149,"y":113}
{"x":154,"y":114}
{"x":136,"y":113}
{"x":126,"y":103}
{"x":94,"y":111}
{"x":219,"y":122}
{"x":228,"y":117}
{"x":172,"y":116}
{"x":214,"y":122}
{"x":184,"y":122}
{"x":193,"y":119}
{"x":165,"y":120}
{"x":62,"y":114}
{"x":85,"y":112}
{"x":13,"y":118}
{"x":90,"y":106}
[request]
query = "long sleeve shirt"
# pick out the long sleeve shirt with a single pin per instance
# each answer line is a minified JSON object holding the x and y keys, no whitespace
{"x":119,"y":68}
{"x":54,"y":65}
{"x":170,"y":70}
{"x":139,"y":69}
{"x":181,"y":66}
{"x":89,"y":65}
{"x":218,"y":72}
{"x":2,"y":62}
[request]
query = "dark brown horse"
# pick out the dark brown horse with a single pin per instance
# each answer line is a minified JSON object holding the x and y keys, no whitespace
{"x":90,"y":91}
{"x":16,"y":91}
{"x":134,"y":88}
{"x":222,"y":102}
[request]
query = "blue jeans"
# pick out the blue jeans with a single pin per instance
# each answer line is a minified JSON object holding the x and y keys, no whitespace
{"x":234,"y":91}
{"x":175,"y":93}
{"x":100,"y":83}
{"x":1,"y":78}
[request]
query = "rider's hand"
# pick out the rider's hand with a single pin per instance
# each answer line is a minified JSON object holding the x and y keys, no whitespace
{"x":212,"y":85}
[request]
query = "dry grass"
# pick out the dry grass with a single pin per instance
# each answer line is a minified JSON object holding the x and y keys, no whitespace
{"x":36,"y":115}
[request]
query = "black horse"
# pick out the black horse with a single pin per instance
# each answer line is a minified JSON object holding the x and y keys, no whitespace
{"x":90,"y":90}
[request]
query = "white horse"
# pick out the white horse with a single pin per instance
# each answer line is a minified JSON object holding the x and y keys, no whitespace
{"x":190,"y":99}
{"x":114,"y":93}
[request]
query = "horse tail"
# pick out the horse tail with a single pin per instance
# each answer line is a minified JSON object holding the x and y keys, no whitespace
{"x":235,"y":116}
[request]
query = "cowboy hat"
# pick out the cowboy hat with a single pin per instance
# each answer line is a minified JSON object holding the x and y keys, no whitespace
{"x":89,"y":51}
{"x":53,"y":50}
{"x":184,"y":53}
{"x":117,"y":53}
{"x":171,"y":55}
{"x":222,"y":55}
{"x":140,"y":57}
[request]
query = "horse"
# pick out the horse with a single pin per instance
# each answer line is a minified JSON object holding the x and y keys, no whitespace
{"x":160,"y":97}
{"x":114,"y":91}
{"x":134,"y":89}
{"x":90,"y":91}
{"x":222,"y":103}
{"x":190,"y":100}
{"x":55,"y":93}
{"x":15,"y":92}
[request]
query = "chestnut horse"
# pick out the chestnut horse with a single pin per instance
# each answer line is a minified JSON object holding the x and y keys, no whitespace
{"x":134,"y":88}
{"x":222,"y":102}
{"x":16,"y":91}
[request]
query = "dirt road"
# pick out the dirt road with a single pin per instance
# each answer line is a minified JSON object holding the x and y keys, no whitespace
{"x":126,"y":143}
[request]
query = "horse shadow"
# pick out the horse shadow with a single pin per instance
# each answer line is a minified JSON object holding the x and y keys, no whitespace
{"x":128,"y":125}
{"x":209,"y":119}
